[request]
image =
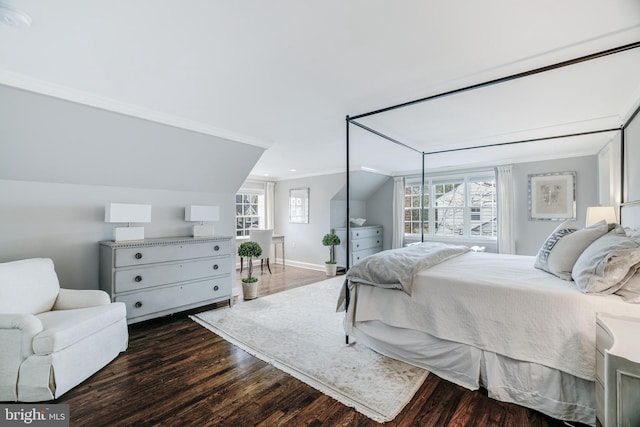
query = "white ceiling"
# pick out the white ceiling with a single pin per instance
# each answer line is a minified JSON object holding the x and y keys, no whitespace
{"x":284,"y":74}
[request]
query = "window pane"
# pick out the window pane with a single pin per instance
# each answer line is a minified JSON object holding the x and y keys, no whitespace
{"x":447,"y":209}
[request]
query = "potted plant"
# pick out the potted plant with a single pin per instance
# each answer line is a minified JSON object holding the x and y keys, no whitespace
{"x":331,"y":240}
{"x":249,"y":250}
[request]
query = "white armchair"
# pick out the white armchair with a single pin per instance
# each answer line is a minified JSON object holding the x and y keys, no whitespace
{"x":52,"y":339}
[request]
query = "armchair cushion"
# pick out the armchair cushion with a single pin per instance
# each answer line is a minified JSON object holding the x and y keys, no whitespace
{"x":69,"y":299}
{"x":64,"y":328}
{"x":28,"y":286}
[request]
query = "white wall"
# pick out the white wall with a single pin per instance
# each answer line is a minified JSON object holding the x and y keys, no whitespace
{"x":61,"y":162}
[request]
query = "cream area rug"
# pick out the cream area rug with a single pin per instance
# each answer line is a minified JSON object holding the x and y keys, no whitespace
{"x":299,"y":332}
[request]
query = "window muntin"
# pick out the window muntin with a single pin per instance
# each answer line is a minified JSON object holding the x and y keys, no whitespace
{"x":249,"y":212}
{"x":463,"y":205}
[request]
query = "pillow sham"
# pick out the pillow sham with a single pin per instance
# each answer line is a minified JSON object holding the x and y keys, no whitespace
{"x":564,"y":245}
{"x":607,"y":264}
{"x":630,"y":291}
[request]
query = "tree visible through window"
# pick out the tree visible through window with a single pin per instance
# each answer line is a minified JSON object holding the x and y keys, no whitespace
{"x":460,"y":206}
{"x":249,"y":212}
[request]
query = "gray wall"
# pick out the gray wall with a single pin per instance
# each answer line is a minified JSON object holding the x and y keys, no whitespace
{"x":380,"y":211}
{"x":304,"y":241}
{"x":531,"y":234}
{"x":61,"y":162}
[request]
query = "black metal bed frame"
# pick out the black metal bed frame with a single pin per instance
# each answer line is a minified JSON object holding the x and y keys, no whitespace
{"x":352,"y":120}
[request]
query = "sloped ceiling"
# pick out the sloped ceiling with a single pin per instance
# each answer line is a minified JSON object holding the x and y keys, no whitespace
{"x":284,"y":74}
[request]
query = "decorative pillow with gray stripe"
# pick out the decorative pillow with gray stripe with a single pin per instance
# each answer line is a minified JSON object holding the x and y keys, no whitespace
{"x":564,"y":245}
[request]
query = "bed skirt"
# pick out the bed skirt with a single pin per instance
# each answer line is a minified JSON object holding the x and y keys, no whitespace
{"x":550,"y":391}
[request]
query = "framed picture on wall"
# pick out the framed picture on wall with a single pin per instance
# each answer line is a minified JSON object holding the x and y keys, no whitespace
{"x":299,"y":205}
{"x":552,"y":196}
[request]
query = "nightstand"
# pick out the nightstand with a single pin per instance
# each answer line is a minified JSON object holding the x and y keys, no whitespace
{"x":617,"y":370}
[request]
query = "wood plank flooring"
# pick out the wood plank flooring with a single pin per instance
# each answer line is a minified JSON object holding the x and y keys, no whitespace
{"x":177,"y":373}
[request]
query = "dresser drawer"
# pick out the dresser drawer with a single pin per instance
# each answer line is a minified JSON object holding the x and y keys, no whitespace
{"x":173,"y":297}
{"x":360,"y":233}
{"x":366,"y":243}
{"x":357,"y":256}
{"x":134,"y":278}
{"x":154,"y":254}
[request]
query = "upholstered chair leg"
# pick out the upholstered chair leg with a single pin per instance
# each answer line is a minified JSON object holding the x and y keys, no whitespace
{"x":268,"y":266}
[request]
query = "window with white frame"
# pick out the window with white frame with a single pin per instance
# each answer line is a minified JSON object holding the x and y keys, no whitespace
{"x":250,"y":211}
{"x":461,"y":205}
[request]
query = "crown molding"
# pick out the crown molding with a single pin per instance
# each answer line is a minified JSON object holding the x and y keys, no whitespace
{"x":66,"y":93}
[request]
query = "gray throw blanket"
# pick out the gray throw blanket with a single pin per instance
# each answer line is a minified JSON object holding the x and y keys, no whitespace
{"x":396,"y":268}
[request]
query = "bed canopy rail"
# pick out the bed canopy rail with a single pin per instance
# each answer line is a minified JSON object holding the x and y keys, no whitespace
{"x":354,"y":120}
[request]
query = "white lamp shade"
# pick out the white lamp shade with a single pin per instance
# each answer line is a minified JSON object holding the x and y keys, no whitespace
{"x":598,"y":213}
{"x":127,"y":213}
{"x":201,"y":213}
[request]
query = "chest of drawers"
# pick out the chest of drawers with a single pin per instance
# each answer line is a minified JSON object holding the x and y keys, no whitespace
{"x":155,"y":277}
{"x":364,"y":241}
{"x":617,"y":370}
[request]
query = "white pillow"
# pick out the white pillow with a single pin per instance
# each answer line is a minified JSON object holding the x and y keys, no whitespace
{"x":564,"y":245}
{"x":607,"y":264}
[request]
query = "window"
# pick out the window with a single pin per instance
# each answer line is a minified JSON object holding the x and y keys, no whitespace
{"x":249,"y":212}
{"x":462,"y":205}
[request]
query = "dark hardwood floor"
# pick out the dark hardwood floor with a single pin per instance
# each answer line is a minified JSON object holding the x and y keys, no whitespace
{"x":177,"y":373}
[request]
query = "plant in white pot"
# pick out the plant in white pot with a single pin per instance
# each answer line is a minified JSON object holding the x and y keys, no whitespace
{"x":331,"y":240}
{"x":249,"y":250}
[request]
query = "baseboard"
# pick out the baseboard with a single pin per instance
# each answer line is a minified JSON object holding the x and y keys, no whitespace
{"x":308,"y":266}
{"x":299,"y":264}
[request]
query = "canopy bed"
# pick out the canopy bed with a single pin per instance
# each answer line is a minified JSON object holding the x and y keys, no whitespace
{"x":511,"y":324}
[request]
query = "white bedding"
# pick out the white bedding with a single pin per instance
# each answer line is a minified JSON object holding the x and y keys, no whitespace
{"x":500,"y":304}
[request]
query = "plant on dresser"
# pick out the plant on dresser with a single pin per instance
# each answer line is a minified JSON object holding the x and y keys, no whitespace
{"x":156,"y":277}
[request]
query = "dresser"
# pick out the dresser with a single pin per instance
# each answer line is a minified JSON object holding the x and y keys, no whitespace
{"x":156,"y":277}
{"x":364,"y":241}
{"x":617,"y":370}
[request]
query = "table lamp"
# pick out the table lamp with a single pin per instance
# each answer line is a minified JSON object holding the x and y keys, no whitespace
{"x":127,"y":213}
{"x":599,"y":213}
{"x":199,"y":213}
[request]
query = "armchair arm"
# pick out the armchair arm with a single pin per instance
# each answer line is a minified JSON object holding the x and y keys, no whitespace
{"x":16,"y":335}
{"x":69,"y":299}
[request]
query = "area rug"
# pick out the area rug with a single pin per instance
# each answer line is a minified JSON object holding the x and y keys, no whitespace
{"x":299,"y":332}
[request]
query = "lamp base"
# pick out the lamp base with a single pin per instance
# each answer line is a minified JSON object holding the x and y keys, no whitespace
{"x":124,"y":234}
{"x":205,"y":230}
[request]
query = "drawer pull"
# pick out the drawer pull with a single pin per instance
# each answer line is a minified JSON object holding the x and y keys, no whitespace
{"x":216,"y":248}
{"x":138,"y":279}
{"x":357,"y":234}
{"x":138,"y":304}
{"x":138,"y":255}
{"x":358,"y":245}
{"x":216,"y":288}
{"x":215,"y":266}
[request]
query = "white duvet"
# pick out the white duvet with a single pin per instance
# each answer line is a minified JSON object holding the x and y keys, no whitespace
{"x":498,"y":303}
